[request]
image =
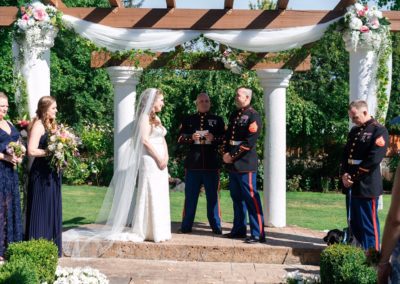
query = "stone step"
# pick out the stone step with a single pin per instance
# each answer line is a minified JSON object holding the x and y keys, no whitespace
{"x":289,"y":245}
{"x":129,"y":271}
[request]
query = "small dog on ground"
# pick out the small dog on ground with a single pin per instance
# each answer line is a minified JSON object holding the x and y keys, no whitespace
{"x":337,"y":236}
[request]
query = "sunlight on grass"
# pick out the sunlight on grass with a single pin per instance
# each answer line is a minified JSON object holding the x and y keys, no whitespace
{"x":318,"y":211}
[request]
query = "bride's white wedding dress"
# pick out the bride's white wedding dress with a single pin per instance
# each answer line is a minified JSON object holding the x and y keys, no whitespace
{"x":136,"y":205}
{"x":151,"y":218}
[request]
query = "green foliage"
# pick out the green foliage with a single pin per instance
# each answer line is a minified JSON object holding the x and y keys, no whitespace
{"x":41,"y":254}
{"x":18,"y":271}
{"x":345,"y":264}
{"x":293,"y":184}
{"x":262,"y":5}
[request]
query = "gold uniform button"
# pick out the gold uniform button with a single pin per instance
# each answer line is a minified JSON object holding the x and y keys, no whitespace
{"x":354,"y":144}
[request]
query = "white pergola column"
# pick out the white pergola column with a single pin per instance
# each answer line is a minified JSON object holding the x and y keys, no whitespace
{"x":274,"y":83}
{"x":363,"y":67}
{"x":124,"y":80}
{"x":32,"y":67}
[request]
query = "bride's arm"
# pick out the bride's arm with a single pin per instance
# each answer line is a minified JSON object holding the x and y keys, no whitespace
{"x":166,"y":155}
{"x":145,"y":129}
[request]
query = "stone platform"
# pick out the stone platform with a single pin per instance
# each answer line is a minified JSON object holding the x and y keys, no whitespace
{"x":288,"y":246}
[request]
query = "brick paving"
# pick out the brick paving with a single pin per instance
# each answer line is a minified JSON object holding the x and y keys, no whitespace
{"x":129,"y":271}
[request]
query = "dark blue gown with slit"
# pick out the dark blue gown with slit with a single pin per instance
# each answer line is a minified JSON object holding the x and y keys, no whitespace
{"x":44,"y":208}
{"x":10,"y":206}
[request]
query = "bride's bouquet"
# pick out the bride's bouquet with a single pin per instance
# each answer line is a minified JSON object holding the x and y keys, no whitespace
{"x":63,"y":148}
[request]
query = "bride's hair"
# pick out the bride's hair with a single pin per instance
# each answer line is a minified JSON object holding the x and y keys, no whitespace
{"x":146,"y":95}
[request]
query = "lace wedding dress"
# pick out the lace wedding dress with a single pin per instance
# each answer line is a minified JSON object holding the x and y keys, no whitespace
{"x":136,"y":205}
{"x":151,"y":216}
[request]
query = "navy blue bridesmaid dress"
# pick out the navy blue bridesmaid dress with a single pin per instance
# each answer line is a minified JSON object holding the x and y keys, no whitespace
{"x":44,"y":208}
{"x":10,"y":205}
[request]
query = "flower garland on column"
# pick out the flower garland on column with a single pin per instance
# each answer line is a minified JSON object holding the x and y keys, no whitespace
{"x":34,"y":32}
{"x":365,"y":27}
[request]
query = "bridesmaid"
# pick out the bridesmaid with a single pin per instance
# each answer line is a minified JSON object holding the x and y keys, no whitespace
{"x":10,"y":208}
{"x":44,"y":211}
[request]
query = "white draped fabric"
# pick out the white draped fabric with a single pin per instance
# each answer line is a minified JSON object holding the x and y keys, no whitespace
{"x":271,"y":40}
{"x":115,"y":39}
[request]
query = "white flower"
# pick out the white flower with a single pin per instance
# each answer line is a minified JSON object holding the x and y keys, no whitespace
{"x":358,"y":7}
{"x":60,"y":146}
{"x":51,"y":147}
{"x":355,"y":24}
{"x":58,"y":155}
{"x":53,"y":138}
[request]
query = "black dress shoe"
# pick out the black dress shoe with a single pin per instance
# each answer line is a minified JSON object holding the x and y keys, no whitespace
{"x":253,"y":240}
{"x":217,"y":231}
{"x":180,"y":231}
{"x":234,"y":236}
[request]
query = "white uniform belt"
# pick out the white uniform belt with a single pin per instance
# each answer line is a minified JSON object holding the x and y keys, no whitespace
{"x":202,"y":142}
{"x":235,"y":143}
{"x":353,"y":162}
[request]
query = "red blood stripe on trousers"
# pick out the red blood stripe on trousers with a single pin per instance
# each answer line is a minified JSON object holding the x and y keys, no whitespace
{"x":256,"y":204}
{"x":374,"y":223}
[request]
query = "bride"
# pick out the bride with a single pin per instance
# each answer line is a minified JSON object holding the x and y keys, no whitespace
{"x":136,"y":205}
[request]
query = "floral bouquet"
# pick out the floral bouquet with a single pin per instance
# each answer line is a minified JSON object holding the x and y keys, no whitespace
{"x":62,"y":148}
{"x":16,"y":149}
{"x":38,"y":14}
{"x":229,"y":62}
{"x":365,"y":27}
{"x":76,"y":275}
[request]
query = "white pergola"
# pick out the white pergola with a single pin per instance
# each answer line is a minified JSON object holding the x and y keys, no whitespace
{"x":273,"y":78}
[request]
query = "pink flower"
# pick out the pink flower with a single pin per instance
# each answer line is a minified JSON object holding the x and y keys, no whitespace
{"x":361,"y":13}
{"x":375,"y":24}
{"x":39,"y":14}
{"x":25,"y":17}
{"x":364,"y":29}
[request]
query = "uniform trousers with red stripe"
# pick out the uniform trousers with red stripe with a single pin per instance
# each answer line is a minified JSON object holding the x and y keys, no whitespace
{"x":364,"y":221}
{"x":245,"y":197}
{"x":193,"y":181}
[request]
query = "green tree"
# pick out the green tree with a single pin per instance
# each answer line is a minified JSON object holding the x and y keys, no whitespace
{"x":262,"y":5}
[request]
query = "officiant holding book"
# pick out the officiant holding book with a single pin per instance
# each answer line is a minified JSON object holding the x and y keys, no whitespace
{"x":203,"y":132}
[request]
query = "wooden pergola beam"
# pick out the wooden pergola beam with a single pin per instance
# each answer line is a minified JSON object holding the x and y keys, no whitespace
{"x":115,"y":3}
{"x":343,"y":4}
{"x":189,"y":19}
{"x":282,"y":4}
{"x":171,"y":4}
{"x":198,"y":19}
{"x":228,"y":4}
{"x":102,"y":59}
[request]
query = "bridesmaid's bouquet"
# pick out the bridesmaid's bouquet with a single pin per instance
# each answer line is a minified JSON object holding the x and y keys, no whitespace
{"x":16,"y":149}
{"x":63,"y":148}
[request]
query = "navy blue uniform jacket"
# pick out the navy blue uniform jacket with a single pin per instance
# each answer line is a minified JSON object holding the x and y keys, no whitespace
{"x":244,"y":127}
{"x":366,"y":145}
{"x":202,"y":156}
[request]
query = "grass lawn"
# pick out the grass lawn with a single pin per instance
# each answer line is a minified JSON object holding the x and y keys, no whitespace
{"x":319,"y":211}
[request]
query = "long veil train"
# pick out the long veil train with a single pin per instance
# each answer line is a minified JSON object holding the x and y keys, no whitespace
{"x":114,"y":221}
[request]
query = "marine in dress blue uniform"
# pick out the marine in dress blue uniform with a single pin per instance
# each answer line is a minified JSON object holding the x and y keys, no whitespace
{"x":366,"y":146}
{"x":241,"y":159}
{"x":203,"y":132}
